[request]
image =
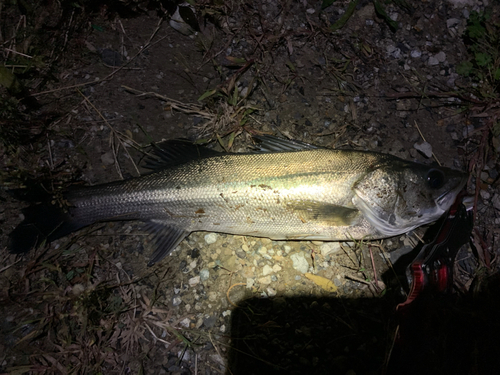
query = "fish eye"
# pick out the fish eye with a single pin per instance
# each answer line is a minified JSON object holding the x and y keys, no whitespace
{"x":435,"y":178}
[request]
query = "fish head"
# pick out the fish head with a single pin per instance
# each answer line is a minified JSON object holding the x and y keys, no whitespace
{"x":399,"y":196}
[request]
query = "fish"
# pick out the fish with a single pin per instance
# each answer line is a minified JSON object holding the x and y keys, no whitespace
{"x":281,"y":189}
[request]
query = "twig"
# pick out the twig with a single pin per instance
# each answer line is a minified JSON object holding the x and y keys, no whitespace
{"x":217,"y":350}
{"x":110,"y":75}
{"x":354,"y":278}
{"x":115,"y":133}
{"x":411,"y":94}
{"x":227,"y":293}
{"x":189,"y":108}
{"x":154,"y":335}
{"x":10,"y":265}
{"x":18,"y":53}
{"x":51,"y":163}
{"x":373,"y":266}
{"x":391,"y":348}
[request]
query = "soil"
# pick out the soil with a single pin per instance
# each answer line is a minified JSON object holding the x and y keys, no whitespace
{"x":88,"y":303}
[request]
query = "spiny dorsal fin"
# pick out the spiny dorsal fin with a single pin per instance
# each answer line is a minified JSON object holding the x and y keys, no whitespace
{"x":271,"y":143}
{"x":179,"y":151}
{"x":175,"y":152}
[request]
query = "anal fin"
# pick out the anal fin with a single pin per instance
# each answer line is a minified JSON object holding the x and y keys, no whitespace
{"x":166,"y":238}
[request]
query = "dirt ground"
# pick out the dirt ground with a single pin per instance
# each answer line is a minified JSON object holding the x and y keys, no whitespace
{"x":107,"y":83}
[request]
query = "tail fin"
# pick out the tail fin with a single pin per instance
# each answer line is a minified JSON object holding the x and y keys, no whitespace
{"x":43,"y":222}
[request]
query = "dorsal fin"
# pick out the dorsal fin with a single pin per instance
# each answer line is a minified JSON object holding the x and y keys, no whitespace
{"x":175,"y":152}
{"x":179,"y":151}
{"x":271,"y":143}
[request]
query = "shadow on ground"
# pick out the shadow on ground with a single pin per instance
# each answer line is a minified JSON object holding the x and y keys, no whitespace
{"x":441,"y":335}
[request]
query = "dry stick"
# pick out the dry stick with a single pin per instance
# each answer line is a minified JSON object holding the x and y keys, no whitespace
{"x":388,"y":359}
{"x":110,"y":75}
{"x":156,"y":337}
{"x":113,"y":131}
{"x":354,"y":278}
{"x":423,"y":138}
{"x":9,"y":265}
{"x":189,"y":108}
{"x":217,"y":350}
{"x":18,"y":53}
{"x":373,"y":266}
{"x":51,"y":163}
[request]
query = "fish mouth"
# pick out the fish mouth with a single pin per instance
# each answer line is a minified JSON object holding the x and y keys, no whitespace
{"x":445,"y":200}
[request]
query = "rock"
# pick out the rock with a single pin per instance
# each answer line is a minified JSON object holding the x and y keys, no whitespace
{"x":468,"y":130}
{"x":329,"y":248}
{"x":484,"y":195}
{"x":250,"y":282}
{"x":462,"y":3}
{"x":107,"y":158}
{"x":299,"y":262}
{"x":209,"y":321}
{"x":393,"y":51}
{"x":194,"y":281}
{"x":178,"y":23}
{"x":262,"y":250}
{"x":271,"y":292}
{"x":267,"y":270}
{"x":493,"y":173}
{"x":452,"y":22}
{"x":204,"y":274}
{"x":211,"y":238}
{"x":496,"y":201}
{"x":396,"y":254}
{"x":424,"y":147}
{"x":415,"y":53}
{"x":432,"y":61}
{"x":111,"y":58}
{"x":440,"y":56}
{"x":176,"y":301}
{"x":264,"y":280}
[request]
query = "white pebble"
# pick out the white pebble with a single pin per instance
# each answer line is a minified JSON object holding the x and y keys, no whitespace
{"x":267,"y":270}
{"x":299,"y":262}
{"x":424,"y":147}
{"x":211,"y":238}
{"x":194,"y":281}
{"x":329,"y":247}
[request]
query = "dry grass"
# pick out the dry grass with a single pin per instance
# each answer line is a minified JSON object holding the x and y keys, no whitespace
{"x":81,"y":316}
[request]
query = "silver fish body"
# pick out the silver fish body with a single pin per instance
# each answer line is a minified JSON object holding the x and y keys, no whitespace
{"x":298,"y":192}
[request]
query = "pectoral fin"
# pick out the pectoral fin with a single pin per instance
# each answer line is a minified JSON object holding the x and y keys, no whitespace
{"x":329,"y":214}
{"x":166,"y":238}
